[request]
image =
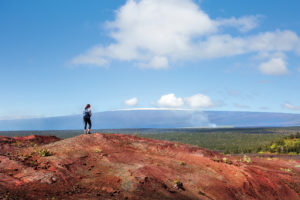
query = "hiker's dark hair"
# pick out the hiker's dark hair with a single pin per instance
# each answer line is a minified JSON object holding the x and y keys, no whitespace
{"x":87,"y":106}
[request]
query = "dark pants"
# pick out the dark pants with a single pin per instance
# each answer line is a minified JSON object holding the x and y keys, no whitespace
{"x":87,"y":121}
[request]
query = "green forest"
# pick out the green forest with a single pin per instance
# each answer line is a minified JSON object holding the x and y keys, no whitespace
{"x":236,"y":142}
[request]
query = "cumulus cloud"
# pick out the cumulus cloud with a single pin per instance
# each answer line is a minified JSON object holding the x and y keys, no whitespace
{"x":131,"y":102}
{"x":243,"y":24}
{"x":157,"y":62}
{"x":199,"y":101}
{"x":180,"y":30}
{"x":170,"y":100}
{"x":195,"y":101}
{"x":291,"y":106}
{"x":275,"y":66}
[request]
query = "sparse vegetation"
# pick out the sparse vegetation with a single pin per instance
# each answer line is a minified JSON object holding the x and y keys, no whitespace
{"x":224,"y":160}
{"x":247,"y":159}
{"x":18,"y":144}
{"x":98,"y":151}
{"x":216,"y":159}
{"x":45,"y":153}
{"x":178,"y":185}
{"x":182,"y":163}
{"x":33,"y":163}
{"x":136,"y":135}
{"x":6,"y":197}
{"x":287,"y":170}
{"x":227,"y":161}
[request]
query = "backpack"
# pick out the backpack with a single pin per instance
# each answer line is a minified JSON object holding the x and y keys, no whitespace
{"x":86,"y":114}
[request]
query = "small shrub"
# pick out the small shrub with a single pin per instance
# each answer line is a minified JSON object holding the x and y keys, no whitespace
{"x":18,"y":144}
{"x":33,"y":163}
{"x":247,"y":159}
{"x":98,"y":151}
{"x":7,"y":196}
{"x":136,"y":135}
{"x":182,"y":163}
{"x":45,"y":153}
{"x":287,"y":170}
{"x":227,"y":161}
{"x":178,"y":184}
{"x":216,"y":159}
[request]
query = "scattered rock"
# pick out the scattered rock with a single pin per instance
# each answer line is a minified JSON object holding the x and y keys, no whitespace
{"x":107,"y":189}
{"x":178,"y":185}
{"x":54,"y":179}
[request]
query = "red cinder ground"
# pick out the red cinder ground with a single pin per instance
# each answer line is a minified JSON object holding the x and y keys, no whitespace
{"x":113,"y":166}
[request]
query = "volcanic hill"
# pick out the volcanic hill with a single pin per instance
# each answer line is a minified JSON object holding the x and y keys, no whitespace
{"x":113,"y":166}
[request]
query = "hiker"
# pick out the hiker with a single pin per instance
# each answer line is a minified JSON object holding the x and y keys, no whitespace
{"x":87,"y":113}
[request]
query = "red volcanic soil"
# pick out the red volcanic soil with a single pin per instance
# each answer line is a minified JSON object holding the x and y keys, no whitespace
{"x":113,"y":166}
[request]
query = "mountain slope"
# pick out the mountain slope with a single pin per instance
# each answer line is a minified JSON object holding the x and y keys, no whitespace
{"x":113,"y":166}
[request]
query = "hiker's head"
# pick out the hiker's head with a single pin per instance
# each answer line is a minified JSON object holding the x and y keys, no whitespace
{"x":87,"y":106}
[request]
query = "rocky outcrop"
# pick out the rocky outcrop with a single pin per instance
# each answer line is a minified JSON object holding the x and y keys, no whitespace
{"x":113,"y":166}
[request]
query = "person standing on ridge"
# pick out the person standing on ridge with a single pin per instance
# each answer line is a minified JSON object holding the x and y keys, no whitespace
{"x":87,"y":113}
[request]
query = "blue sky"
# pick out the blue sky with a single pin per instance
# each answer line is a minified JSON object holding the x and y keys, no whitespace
{"x":56,"y":56}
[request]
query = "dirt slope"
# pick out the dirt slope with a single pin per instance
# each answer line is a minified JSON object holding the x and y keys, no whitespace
{"x":113,"y":166}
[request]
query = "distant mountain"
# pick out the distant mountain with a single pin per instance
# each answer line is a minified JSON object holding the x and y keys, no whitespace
{"x":157,"y":119}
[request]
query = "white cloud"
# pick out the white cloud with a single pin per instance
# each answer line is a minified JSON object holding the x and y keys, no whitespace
{"x":265,"y":45}
{"x":275,"y":66}
{"x":196,"y":101}
{"x":199,"y":101}
{"x":291,"y":107}
{"x":156,"y":34}
{"x":131,"y":102}
{"x":277,"y":41}
{"x":157,"y":62}
{"x":92,"y":57}
{"x":243,"y":24}
{"x":170,"y":100}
